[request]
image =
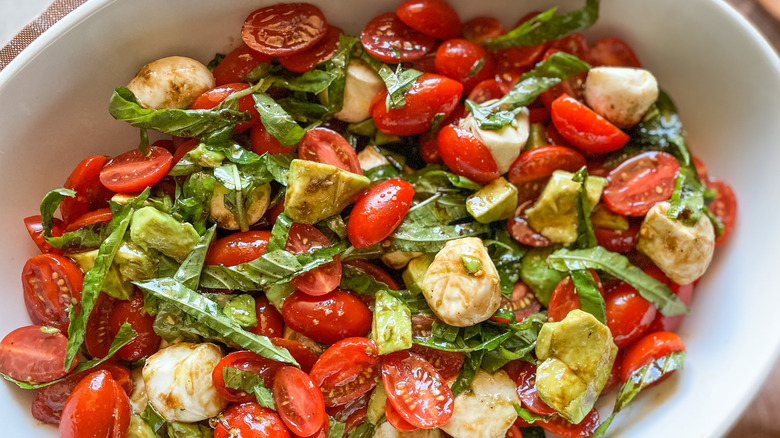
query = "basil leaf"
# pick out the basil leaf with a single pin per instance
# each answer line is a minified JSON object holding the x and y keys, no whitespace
{"x":365,"y":430}
{"x":588,"y":293}
{"x":241,"y":310}
{"x":530,"y":417}
{"x":303,"y":111}
{"x":507,"y":256}
{"x":250,"y":383}
{"x":337,"y":66}
{"x":276,"y":120}
{"x":336,"y":429}
{"x":619,"y":267}
{"x":89,"y":236}
{"x":153,"y":418}
{"x":398,"y":83}
{"x":468,"y":372}
{"x":264,"y":396}
{"x":537,"y":274}
{"x":279,"y":233}
{"x":431,"y":179}
{"x":546,"y":27}
{"x":192,"y":202}
{"x":586,"y":237}
{"x":187,"y":430}
{"x":188,"y":273}
{"x":391,"y":326}
{"x":49,"y":205}
{"x":313,"y":81}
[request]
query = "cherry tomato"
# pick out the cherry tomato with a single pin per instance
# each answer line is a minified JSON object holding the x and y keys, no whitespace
{"x":263,"y":142}
{"x":429,"y":95}
{"x":394,"y":418}
{"x":574,"y":44}
{"x":584,"y":128}
{"x":531,"y":170}
{"x":32,"y":355}
{"x":434,"y":18}
{"x":426,"y":64}
{"x":482,"y":28}
{"x":375,"y":271}
{"x":303,"y":355}
{"x":132,"y":171}
{"x":90,"y":193}
{"x":560,"y":426}
{"x":683,"y":291}
{"x":147,"y":342}
{"x":298,"y":401}
{"x":347,"y":370}
{"x":466,"y":155}
{"x":618,"y":240}
{"x":513,"y":432}
{"x":652,"y":347}
{"x":523,"y":303}
{"x":574,"y":86}
{"x":486,"y":90}
{"x":102,"y":215}
{"x":284,"y":28}
{"x":389,"y":39}
{"x":521,"y":231}
{"x":34,"y":226}
{"x":249,"y":420}
{"x":613,"y":52}
{"x":98,"y":336}
{"x":515,"y":61}
{"x":614,"y":376}
{"x":327,"y":146}
{"x":564,"y":298}
{"x":322,"y":279}
{"x":304,"y":61}
{"x":637,"y":184}
{"x":328,"y":318}
{"x":724,"y":207}
{"x":97,"y":407}
{"x":183,"y":149}
{"x":701,"y":170}
{"x":628,"y":315}
{"x":237,"y":64}
{"x":377,"y":214}
{"x":460,"y":60}
{"x":244,"y":361}
{"x":211,"y":98}
{"x":447,"y":363}
{"x":429,"y":141}
{"x":554,"y":137}
{"x":269,"y":320}
{"x":238,"y":248}
{"x":52,"y":283}
{"x":526,"y":390}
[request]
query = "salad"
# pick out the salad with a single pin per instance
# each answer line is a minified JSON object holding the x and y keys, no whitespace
{"x":435,"y":228}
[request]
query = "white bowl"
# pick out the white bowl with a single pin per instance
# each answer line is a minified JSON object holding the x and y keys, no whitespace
{"x":723,"y":76}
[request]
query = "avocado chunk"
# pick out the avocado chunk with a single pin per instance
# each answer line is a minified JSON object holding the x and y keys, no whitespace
{"x":254,"y":207}
{"x":153,"y":229}
{"x":391,"y":327}
{"x":139,"y":428}
{"x":316,"y":191}
{"x":135,"y":263}
{"x":494,"y":202}
{"x":115,"y":284}
{"x":415,"y":272}
{"x":575,"y":360}
{"x":601,"y":217}
{"x":554,"y":214}
{"x":85,"y":260}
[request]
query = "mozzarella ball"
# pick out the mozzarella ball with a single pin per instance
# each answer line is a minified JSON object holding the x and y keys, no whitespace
{"x":621,"y":95}
{"x":486,"y":409}
{"x":370,"y":158}
{"x":178,"y":382}
{"x":361,"y":86}
{"x":399,"y":259}
{"x":505,"y":144}
{"x":385,"y":430}
{"x":260,"y":199}
{"x":172,"y":82}
{"x":683,"y":253}
{"x":138,"y":399}
{"x":456,"y":296}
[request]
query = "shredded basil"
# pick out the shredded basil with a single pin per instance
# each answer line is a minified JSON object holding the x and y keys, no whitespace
{"x":250,"y":383}
{"x":337,"y":66}
{"x":188,"y":273}
{"x":277,"y":121}
{"x":586,"y":237}
{"x":468,"y":372}
{"x":398,"y":83}
{"x":49,"y":205}
{"x":589,"y":295}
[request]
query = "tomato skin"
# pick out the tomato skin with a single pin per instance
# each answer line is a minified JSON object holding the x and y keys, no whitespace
{"x":322,"y":279}
{"x":90,"y":193}
{"x":303,"y":355}
{"x":284,"y":28}
{"x":466,"y":155}
{"x":482,"y":28}
{"x":244,"y":361}
{"x":628,"y":315}
{"x":304,"y":61}
{"x":327,"y":146}
{"x":612,"y":51}
{"x":434,"y":18}
{"x":328,"y":318}
{"x":724,"y":207}
{"x":269,"y":321}
{"x":637,"y":184}
{"x":102,"y":215}
{"x":211,"y":98}
{"x":486,"y":90}
{"x":521,"y":230}
{"x":147,"y":342}
{"x":377,"y":214}
{"x":621,"y":241}
{"x":560,"y":426}
{"x":132,"y":172}
{"x":263,"y":142}
{"x":683,"y":291}
{"x":28,"y":354}
{"x":47,"y":300}
{"x":456,"y":58}
{"x":389,"y":39}
{"x":429,"y":95}
{"x":237,"y":64}
{"x":394,"y":418}
{"x":298,"y":401}
{"x":447,"y":363}
{"x":34,"y":226}
{"x":649,"y":348}
{"x":347,"y":370}
{"x":564,"y":298}
{"x":584,"y":128}
{"x":238,"y":248}
{"x":249,"y":420}
{"x":526,"y":390}
{"x":97,"y":407}
{"x":375,"y":271}
{"x":532,"y":168}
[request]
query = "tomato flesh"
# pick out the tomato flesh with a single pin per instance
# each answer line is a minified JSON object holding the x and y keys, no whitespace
{"x":564,"y":298}
{"x":377,"y":214}
{"x":447,"y":363}
{"x":238,"y":248}
{"x":396,"y":420}
{"x":347,"y":370}
{"x":132,"y":171}
{"x":628,"y":315}
{"x":614,"y":52}
{"x":284,"y":28}
{"x":585,"y":129}
{"x":724,"y":207}
{"x":31,"y":355}
{"x":237,"y":64}
{"x":327,"y":146}
{"x":302,"y":354}
{"x":34,"y":225}
{"x":147,"y":342}
{"x":243,"y":361}
{"x":637,"y":184}
{"x":90,"y":193}
{"x":102,"y":215}
{"x":465,"y":62}
{"x":328,"y":318}
{"x":521,"y":230}
{"x":618,"y":240}
{"x":211,"y":98}
{"x":523,"y":303}
{"x":98,"y":337}
{"x":269,"y":321}
{"x":526,"y":390}
{"x":389,"y":39}
{"x":304,"y":61}
{"x":560,"y":426}
{"x":322,"y":279}
{"x":250,"y":420}
{"x":298,"y":401}
{"x":531,"y":170}
{"x":51,"y":283}
{"x":263,"y":142}
{"x":434,"y":18}
{"x":466,"y":155}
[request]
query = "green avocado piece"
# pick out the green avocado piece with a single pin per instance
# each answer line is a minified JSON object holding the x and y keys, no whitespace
{"x":135,"y":263}
{"x":316,"y":191}
{"x":376,"y":405}
{"x":601,"y":217}
{"x":139,"y":428}
{"x":115,"y":284}
{"x":537,"y":274}
{"x":85,"y":260}
{"x":494,"y":202}
{"x":575,"y":359}
{"x":536,"y":137}
{"x":415,"y":272}
{"x":153,"y":229}
{"x":391,"y":327}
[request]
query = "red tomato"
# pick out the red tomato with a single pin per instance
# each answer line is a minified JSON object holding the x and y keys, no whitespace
{"x":447,"y":363}
{"x":249,"y":420}
{"x":517,"y":60}
{"x":628,"y":315}
{"x":637,"y":184}
{"x":389,"y":39}
{"x":613,"y":52}
{"x":102,"y":215}
{"x":531,"y":170}
{"x":466,"y":155}
{"x":304,"y":61}
{"x":327,"y":146}
{"x":652,"y":347}
{"x":574,"y":44}
{"x":429,"y":95}
{"x":375,"y":271}
{"x":486,"y":90}
{"x":684,"y":292}
{"x":394,"y":418}
{"x":560,"y":426}
{"x":90,"y":193}
{"x":322,"y":279}
{"x":513,"y":432}
{"x":701,"y":170}
{"x":457,"y":58}
{"x":521,"y":231}
{"x":51,"y":284}
{"x":328,"y":318}
{"x":97,"y":407}
{"x":211,"y":98}
{"x":147,"y":342}
{"x":284,"y":28}
{"x":416,"y":390}
{"x":303,"y":355}
{"x":263,"y":142}
{"x":523,"y":303}
{"x":434,"y":18}
{"x":618,"y":240}
{"x":724,"y":207}
{"x":244,"y":361}
{"x":526,"y":390}
{"x":614,"y":376}
{"x":269,"y":321}
{"x":183,"y":149}
{"x":298,"y":401}
{"x":574,"y":86}
{"x":554,"y":137}
{"x":347,"y":370}
{"x":98,"y":337}
{"x":237,"y":64}
{"x":132,"y":171}
{"x":482,"y":28}
{"x":238,"y":248}
{"x":31,"y":355}
{"x":564,"y":298}
{"x":34,"y":226}
{"x":377,"y":214}
{"x":584,"y":128}
{"x":429,"y":141}
{"x":426,"y":64}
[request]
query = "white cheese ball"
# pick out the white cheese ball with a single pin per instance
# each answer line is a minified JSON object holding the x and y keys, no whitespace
{"x":370,"y":158}
{"x":486,"y":409}
{"x":399,"y":259}
{"x":138,"y":399}
{"x":621,"y":95}
{"x":172,"y":82}
{"x":456,"y":296}
{"x":505,"y":144}
{"x":260,"y":199}
{"x":683,"y":253}
{"x":178,"y":382}
{"x":361,"y":86}
{"x":385,"y":430}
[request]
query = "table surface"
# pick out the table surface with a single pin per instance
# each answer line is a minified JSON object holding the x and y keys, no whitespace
{"x":758,"y":420}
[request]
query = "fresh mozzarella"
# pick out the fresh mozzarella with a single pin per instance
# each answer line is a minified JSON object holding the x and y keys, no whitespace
{"x":621,"y":95}
{"x":505,"y":144}
{"x":172,"y":82}
{"x":361,"y":86}
{"x":399,"y":259}
{"x":260,"y":198}
{"x":486,"y":409}
{"x":370,"y":158}
{"x":385,"y":430}
{"x":178,"y":382}
{"x":138,"y":399}
{"x":683,"y":253}
{"x":456,"y":296}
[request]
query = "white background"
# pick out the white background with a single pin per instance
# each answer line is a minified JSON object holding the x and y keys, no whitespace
{"x":15,"y":14}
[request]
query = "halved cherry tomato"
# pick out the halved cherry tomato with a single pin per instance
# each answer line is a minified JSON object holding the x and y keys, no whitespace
{"x":244,"y":361}
{"x":531,"y":170}
{"x":33,"y":355}
{"x":211,"y":98}
{"x":584,"y":128}
{"x":147,"y":342}
{"x":302,"y":354}
{"x":377,"y":214}
{"x":238,"y":248}
{"x":394,"y":418}
{"x":90,"y":193}
{"x":521,"y":230}
{"x":574,"y":86}
{"x":269,"y":321}
{"x":322,"y":279}
{"x":304,"y":61}
{"x":328,"y":318}
{"x":618,"y":240}
{"x":574,"y":44}
{"x":102,"y":215}
{"x":389,"y":39}
{"x":652,"y":347}
{"x":637,"y":184}
{"x":350,"y":409}
{"x":51,"y":283}
{"x":237,"y":64}
{"x":526,"y":390}
{"x":564,"y":298}
{"x":132,"y":171}
{"x":482,"y":28}
{"x":34,"y":226}
{"x":284,"y":28}
{"x":523,"y":303}
{"x":613,"y":52}
{"x":298,"y":401}
{"x":517,"y":60}
{"x":554,"y":137}
{"x":429,"y":141}
{"x":684,"y":292}
{"x":375,"y":271}
{"x":249,"y":420}
{"x":447,"y":363}
{"x":98,"y":337}
{"x":183,"y":149}
{"x":263,"y":142}
{"x":434,"y":18}
{"x":466,"y":155}
{"x":724,"y":207}
{"x":327,"y":146}
{"x":486,"y":90}
{"x":701,"y":170}
{"x":347,"y":370}
{"x":460,"y":60}
{"x":426,"y":64}
{"x":560,"y":426}
{"x":97,"y":407}
{"x":513,"y":432}
{"x":429,"y":95}
{"x":628,"y":315}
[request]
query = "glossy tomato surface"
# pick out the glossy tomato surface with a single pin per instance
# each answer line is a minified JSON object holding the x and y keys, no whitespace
{"x":328,"y":318}
{"x":298,"y":401}
{"x":34,"y":354}
{"x":244,"y":361}
{"x":327,"y":146}
{"x":435,"y":18}
{"x":389,"y":39}
{"x":628,"y":315}
{"x":465,"y":62}
{"x":584,"y":128}
{"x":377,"y":214}
{"x":526,"y":390}
{"x":533,"y":168}
{"x":637,"y":184}
{"x":238,"y":248}
{"x":34,"y":225}
{"x":649,"y":348}
{"x":466,"y":155}
{"x":284,"y":28}
{"x":347,"y":370}
{"x":147,"y":342}
{"x":304,"y":61}
{"x":237,"y":64}
{"x":216,"y":96}
{"x":132,"y":171}
{"x":322,"y":279}
{"x":90,"y":193}
{"x":97,"y":407}
{"x":269,"y":321}
{"x":249,"y":420}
